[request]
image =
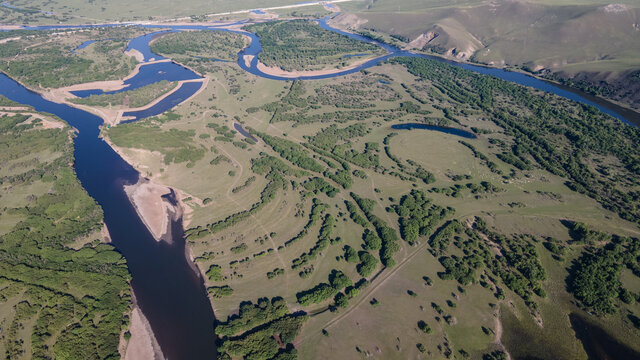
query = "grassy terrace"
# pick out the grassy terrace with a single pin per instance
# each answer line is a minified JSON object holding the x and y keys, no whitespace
{"x":475,"y":233}
{"x":205,"y":44}
{"x":51,"y":246}
{"x":304,"y":45}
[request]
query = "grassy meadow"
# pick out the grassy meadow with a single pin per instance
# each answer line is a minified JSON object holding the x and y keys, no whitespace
{"x":257,"y":226}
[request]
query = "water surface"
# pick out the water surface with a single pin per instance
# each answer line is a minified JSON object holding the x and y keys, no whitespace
{"x":185,"y":91}
{"x":169,"y":292}
{"x":444,"y":129}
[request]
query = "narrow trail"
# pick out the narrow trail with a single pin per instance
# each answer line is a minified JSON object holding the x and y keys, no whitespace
{"x":380,"y":280}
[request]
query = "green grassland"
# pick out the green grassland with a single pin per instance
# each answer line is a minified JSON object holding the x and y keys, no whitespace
{"x":294,"y":45}
{"x":484,"y":260}
{"x":46,"y":58}
{"x":53,"y":302}
{"x":199,"y":44}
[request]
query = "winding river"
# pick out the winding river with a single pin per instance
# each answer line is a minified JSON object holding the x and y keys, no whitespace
{"x":169,"y":291}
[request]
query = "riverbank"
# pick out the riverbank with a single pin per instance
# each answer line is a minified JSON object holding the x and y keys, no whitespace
{"x":117,"y":117}
{"x":142,"y":344}
{"x":60,"y":94}
{"x":153,"y":209}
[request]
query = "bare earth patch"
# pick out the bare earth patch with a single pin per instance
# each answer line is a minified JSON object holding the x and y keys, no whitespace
{"x":146,"y":197}
{"x":142,"y":344}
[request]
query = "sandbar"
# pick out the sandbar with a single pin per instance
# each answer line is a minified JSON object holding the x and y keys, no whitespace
{"x":154,"y":211}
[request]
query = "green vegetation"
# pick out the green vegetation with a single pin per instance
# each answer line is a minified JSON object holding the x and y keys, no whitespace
{"x":57,"y":277}
{"x":251,"y":315}
{"x":199,"y":44}
{"x":176,"y":146}
{"x":292,"y":152}
{"x":264,"y":330}
{"x":220,"y":291}
{"x":323,"y":291}
{"x":424,"y":327}
{"x":246,"y":184}
{"x":261,"y":343}
{"x":215,"y":273}
{"x":368,"y":264}
{"x":549,"y":137}
{"x":304,"y":45}
{"x":265,"y":197}
{"x":418,"y":217}
{"x":131,"y":98}
{"x":316,"y":211}
{"x":317,"y":184}
{"x":387,"y":235}
{"x":355,"y":216}
{"x":595,"y":276}
{"x":275,"y":273}
{"x":324,"y":239}
{"x":488,"y":230}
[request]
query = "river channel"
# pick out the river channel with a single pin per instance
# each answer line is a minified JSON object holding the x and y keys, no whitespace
{"x":169,"y":292}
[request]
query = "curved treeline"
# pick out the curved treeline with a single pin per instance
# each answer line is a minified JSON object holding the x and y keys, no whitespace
{"x":304,"y":45}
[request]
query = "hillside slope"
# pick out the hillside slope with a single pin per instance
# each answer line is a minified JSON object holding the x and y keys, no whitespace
{"x":589,"y":45}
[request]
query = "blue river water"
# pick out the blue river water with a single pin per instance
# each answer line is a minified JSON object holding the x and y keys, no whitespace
{"x":83,"y":45}
{"x":170,"y":293}
{"x":141,"y":43}
{"x":243,"y":132}
{"x":443,"y":129}
{"x":172,"y":100}
{"x":148,"y":74}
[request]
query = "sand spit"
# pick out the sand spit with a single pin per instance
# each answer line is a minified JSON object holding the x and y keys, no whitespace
{"x":143,"y":344}
{"x":9,"y":39}
{"x":154,"y":210}
{"x":59,"y":94}
{"x":113,"y":116}
{"x":136,"y":54}
{"x":104,"y":232}
{"x":13,"y":108}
